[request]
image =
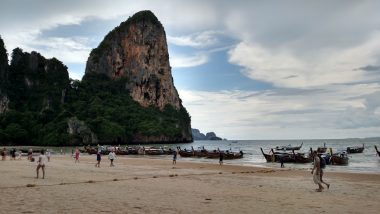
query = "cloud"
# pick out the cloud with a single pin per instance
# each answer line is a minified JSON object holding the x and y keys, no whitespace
{"x":69,"y":50}
{"x":183,"y":61}
{"x":282,"y":68}
{"x":369,"y":68}
{"x":197,"y":40}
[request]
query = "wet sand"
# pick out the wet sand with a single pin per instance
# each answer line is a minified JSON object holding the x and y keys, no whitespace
{"x":144,"y":185}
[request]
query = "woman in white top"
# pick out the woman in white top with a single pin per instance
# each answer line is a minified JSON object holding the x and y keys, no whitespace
{"x":41,"y":164}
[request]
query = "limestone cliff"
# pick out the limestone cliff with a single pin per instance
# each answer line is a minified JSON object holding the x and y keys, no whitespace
{"x":36,"y":83}
{"x":137,"y":50}
{"x":4,"y":101}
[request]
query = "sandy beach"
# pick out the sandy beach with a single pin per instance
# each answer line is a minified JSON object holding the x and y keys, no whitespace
{"x":144,"y":185}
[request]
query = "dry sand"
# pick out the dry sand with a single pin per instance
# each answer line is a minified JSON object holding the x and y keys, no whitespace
{"x":144,"y":185}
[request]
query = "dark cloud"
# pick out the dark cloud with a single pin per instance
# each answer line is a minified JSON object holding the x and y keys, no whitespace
{"x":369,"y":68}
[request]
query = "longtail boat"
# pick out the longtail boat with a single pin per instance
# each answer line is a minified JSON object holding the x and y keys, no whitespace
{"x":278,"y":156}
{"x":355,"y":149}
{"x":302,"y":158}
{"x":289,"y":147}
{"x":185,"y":152}
{"x":340,"y":158}
{"x":268,"y":157}
{"x":322,"y":149}
{"x":226,"y":155}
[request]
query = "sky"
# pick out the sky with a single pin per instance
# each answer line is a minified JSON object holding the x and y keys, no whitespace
{"x":244,"y":69}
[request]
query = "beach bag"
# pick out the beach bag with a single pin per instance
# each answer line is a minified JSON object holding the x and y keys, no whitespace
{"x":322,"y":163}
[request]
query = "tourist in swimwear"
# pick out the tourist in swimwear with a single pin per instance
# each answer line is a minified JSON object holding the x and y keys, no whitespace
{"x":41,"y":164}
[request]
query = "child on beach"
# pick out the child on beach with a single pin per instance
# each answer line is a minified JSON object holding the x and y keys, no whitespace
{"x":98,"y":159}
{"x":41,"y":164}
{"x":112,"y":157}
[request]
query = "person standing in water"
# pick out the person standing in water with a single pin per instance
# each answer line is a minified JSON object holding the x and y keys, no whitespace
{"x":42,"y":160}
{"x":316,"y":172}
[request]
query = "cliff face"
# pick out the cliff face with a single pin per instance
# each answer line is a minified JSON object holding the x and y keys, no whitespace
{"x":137,"y":50}
{"x":197,"y":135}
{"x":36,"y":83}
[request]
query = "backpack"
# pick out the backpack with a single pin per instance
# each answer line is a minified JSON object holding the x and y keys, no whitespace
{"x":322,"y":162}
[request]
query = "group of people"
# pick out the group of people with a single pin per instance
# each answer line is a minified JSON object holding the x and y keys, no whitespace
{"x":111,"y":157}
{"x":12,"y":154}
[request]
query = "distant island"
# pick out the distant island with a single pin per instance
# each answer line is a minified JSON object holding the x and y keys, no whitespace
{"x":127,"y":95}
{"x":197,"y":135}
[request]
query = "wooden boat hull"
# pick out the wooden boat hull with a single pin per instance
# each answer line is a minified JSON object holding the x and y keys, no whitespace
{"x":339,"y":160}
{"x":321,"y":149}
{"x":289,"y":148}
{"x":356,"y":149}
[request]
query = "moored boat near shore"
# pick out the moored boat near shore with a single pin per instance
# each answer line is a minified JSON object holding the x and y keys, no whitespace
{"x":339,"y":158}
{"x":322,"y":149}
{"x":355,"y":149}
{"x":289,"y":147}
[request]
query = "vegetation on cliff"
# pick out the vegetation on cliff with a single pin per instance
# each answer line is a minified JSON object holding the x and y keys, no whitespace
{"x":104,"y":106}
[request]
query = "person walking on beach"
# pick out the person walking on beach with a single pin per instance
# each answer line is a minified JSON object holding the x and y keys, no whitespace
{"x":220,"y":158}
{"x":322,"y":166}
{"x":316,"y":172}
{"x":98,"y":159}
{"x":112,"y":157}
{"x":41,"y":164}
{"x":174,"y":157}
{"x":77,"y":155}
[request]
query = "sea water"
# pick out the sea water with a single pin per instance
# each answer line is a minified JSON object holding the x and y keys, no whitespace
{"x":367,"y":161}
